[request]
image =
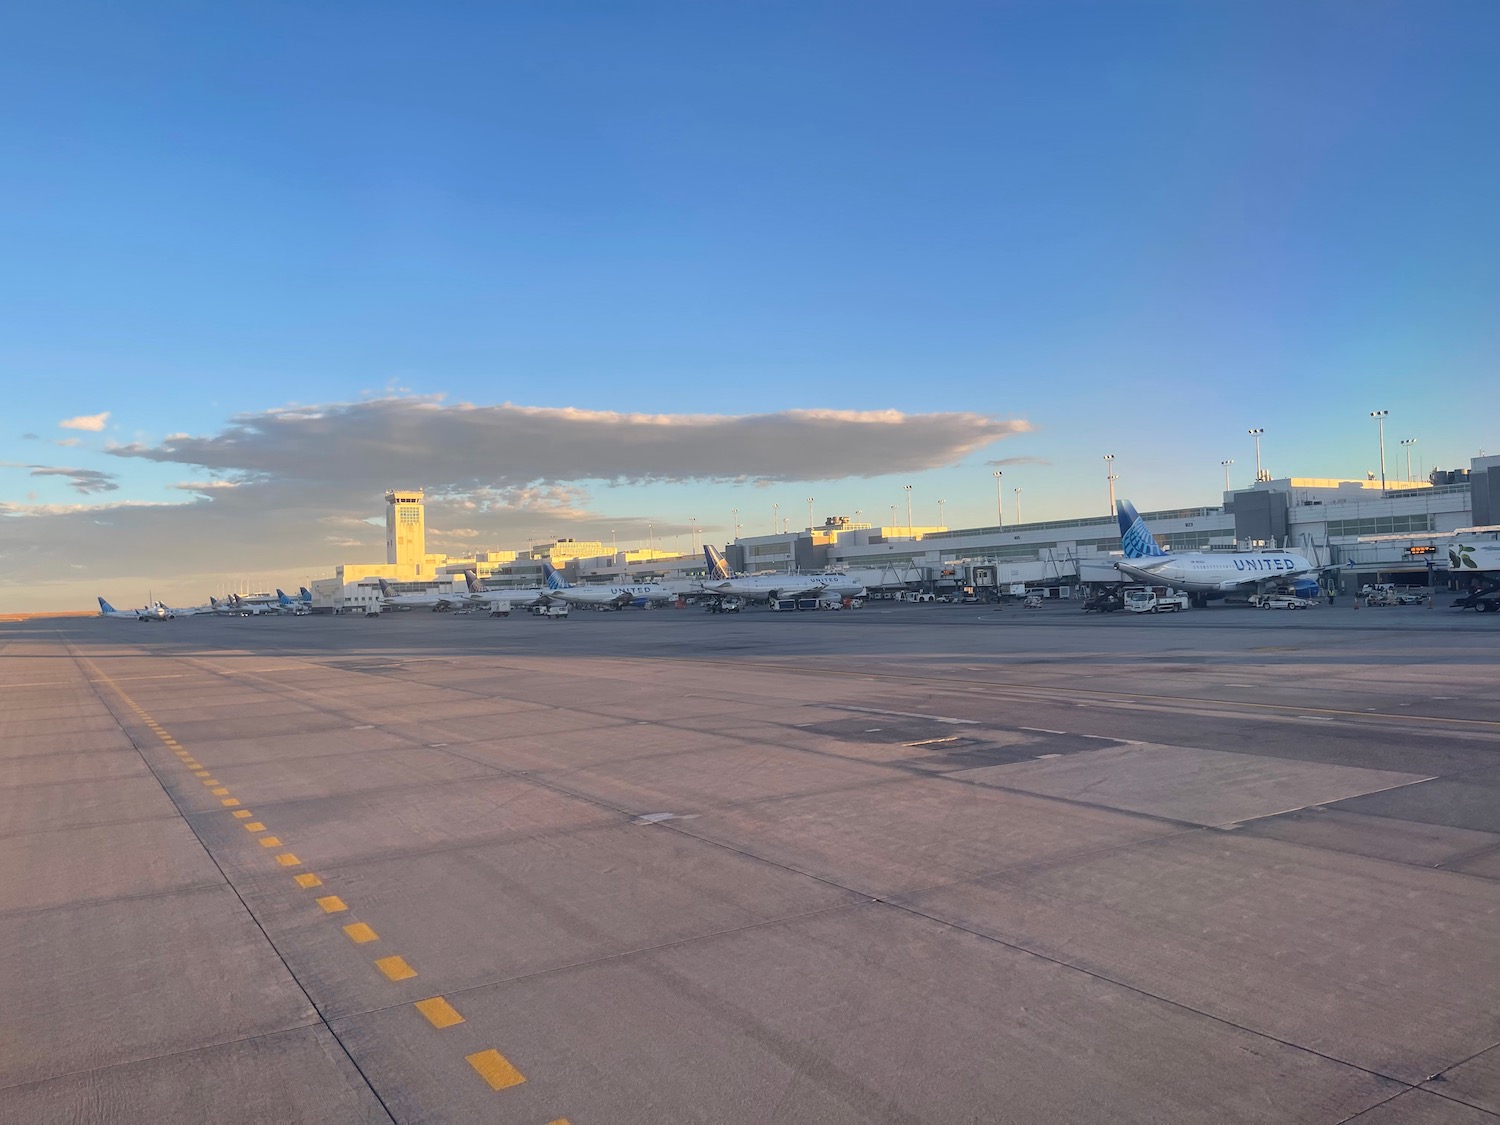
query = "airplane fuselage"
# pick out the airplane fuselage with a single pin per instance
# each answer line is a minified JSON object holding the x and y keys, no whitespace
{"x":1203,"y":572}
{"x":640,"y":594}
{"x":767,"y":586}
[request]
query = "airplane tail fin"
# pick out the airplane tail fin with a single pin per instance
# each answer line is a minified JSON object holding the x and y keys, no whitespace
{"x":555,"y":581}
{"x":105,"y":607}
{"x":281,"y":598}
{"x":471,"y":578}
{"x":1135,"y":536}
{"x":305,"y":594}
{"x":717,"y":567}
{"x":385,"y":588}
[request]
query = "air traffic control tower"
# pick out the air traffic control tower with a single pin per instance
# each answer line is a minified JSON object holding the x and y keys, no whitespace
{"x":405,"y":531}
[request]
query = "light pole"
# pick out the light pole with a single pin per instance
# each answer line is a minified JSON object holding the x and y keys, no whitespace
{"x":1109,"y":475}
{"x":809,"y":514}
{"x":735,"y":520}
{"x":999,"y":502}
{"x":693,"y":525}
{"x":1380,"y":416}
{"x":1226,"y":465}
{"x":940,"y":513}
{"x":1018,"y":505}
{"x":775,"y":519}
{"x":907,"y":489}
{"x":1256,"y":435}
{"x":1408,"y":442}
{"x":613,"y":548}
{"x":893,"y":515}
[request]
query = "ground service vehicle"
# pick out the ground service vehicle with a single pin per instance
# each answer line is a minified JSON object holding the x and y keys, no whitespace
{"x":1280,"y":601}
{"x":1149,"y":601}
{"x":1103,"y":603}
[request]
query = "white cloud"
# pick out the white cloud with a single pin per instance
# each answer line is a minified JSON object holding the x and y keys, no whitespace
{"x":1020,"y":461}
{"x":82,"y":480}
{"x":91,"y":422}
{"x":424,"y":441}
{"x":298,"y":489}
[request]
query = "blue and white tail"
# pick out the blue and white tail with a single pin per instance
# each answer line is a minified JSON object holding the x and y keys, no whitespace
{"x":1135,"y":536}
{"x":281,"y":598}
{"x":305,"y":594}
{"x":717,"y":567}
{"x":471,"y":578}
{"x":105,"y":607}
{"x":385,"y":588}
{"x":554,"y":581}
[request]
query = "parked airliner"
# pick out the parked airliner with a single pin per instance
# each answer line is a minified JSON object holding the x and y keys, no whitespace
{"x":389,"y":599}
{"x":773,"y":587}
{"x":153,"y":612}
{"x":522,"y":596}
{"x":640,"y":594}
{"x":1204,"y":572}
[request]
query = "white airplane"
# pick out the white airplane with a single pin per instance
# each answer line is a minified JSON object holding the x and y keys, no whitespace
{"x":618,"y":597}
{"x":389,"y":599}
{"x":1479,"y":562}
{"x":1202,"y":573}
{"x":153,"y":612}
{"x":495,"y":599}
{"x":771,"y":587}
{"x":245,"y":607}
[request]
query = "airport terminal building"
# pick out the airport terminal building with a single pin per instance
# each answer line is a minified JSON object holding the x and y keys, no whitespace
{"x":1390,"y":533}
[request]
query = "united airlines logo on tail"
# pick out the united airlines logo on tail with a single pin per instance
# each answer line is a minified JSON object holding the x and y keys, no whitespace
{"x":717,"y":567}
{"x":1135,"y":537}
{"x":554,"y":580}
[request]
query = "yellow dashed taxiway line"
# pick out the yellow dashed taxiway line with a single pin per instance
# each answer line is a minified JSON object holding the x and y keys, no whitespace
{"x":495,"y":1069}
{"x":438,"y":1012}
{"x":395,"y":968}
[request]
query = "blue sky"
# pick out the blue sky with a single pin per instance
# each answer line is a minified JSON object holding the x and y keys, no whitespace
{"x":1141,"y":228}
